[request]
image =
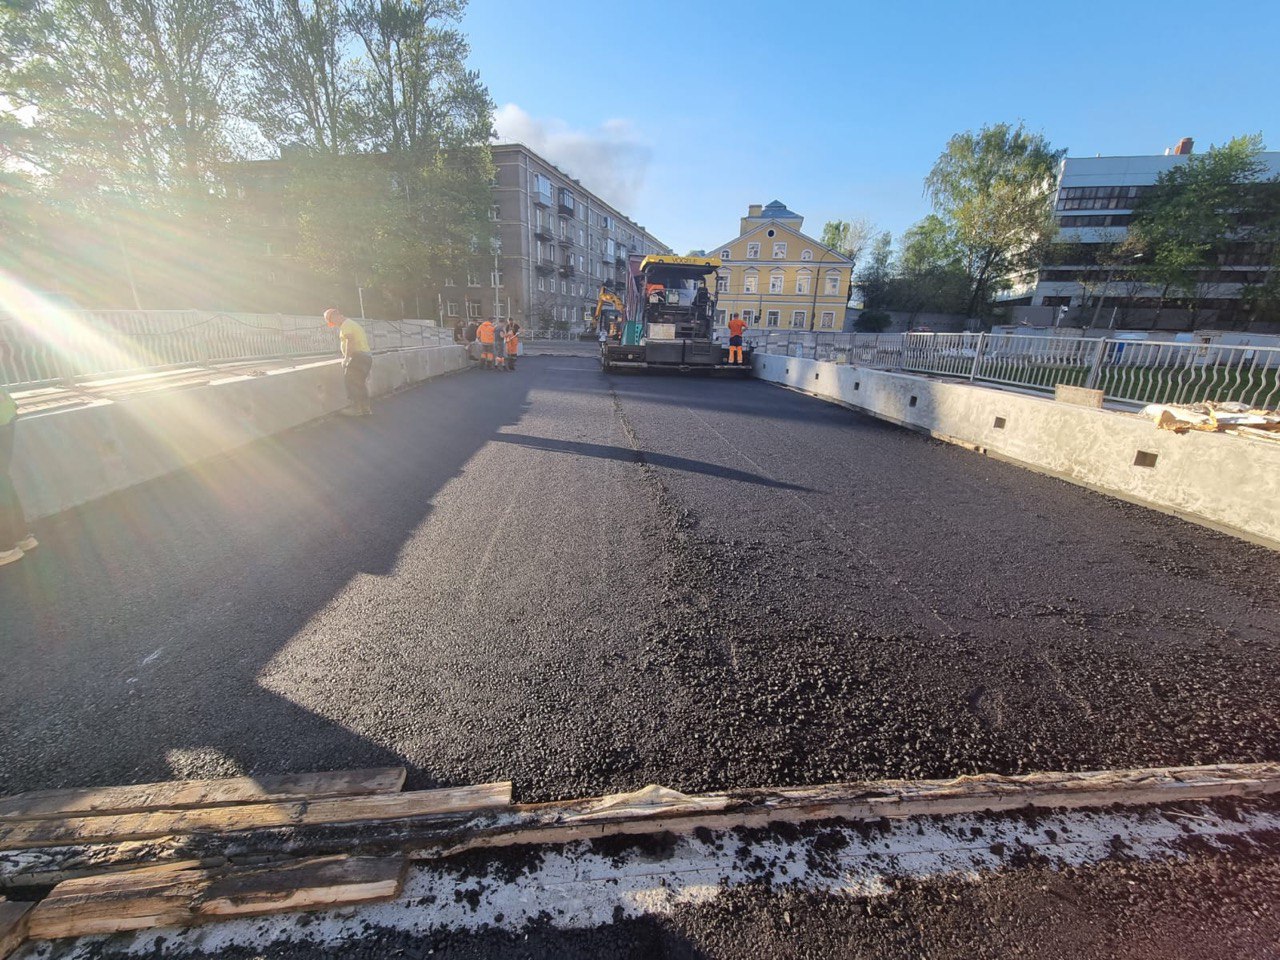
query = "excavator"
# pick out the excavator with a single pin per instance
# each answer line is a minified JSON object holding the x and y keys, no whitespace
{"x":668,"y":316}
{"x":610,"y":314}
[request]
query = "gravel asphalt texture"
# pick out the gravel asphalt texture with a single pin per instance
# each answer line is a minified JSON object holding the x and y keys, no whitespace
{"x":586,"y":583}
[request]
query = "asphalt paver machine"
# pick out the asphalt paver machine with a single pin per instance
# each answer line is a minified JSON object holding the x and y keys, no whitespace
{"x":670,"y":308}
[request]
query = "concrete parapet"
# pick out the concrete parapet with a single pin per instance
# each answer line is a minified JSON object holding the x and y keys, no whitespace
{"x":65,"y":458}
{"x":1230,"y":483}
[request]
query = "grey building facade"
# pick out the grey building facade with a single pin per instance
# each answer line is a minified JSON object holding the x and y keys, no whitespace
{"x":558,"y":244}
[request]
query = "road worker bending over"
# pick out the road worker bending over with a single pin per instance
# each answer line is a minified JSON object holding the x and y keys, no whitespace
{"x":357,"y":362}
{"x":737,"y":326}
{"x":485,"y":334}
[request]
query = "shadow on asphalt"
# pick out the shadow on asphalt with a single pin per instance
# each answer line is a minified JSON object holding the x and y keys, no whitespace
{"x":630,"y":455}
{"x":135,"y":637}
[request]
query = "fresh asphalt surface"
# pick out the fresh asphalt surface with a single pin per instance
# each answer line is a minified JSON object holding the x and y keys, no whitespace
{"x":586,"y":583}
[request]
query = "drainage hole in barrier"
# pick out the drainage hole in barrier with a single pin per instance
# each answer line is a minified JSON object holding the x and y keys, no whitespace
{"x":913,"y":402}
{"x":815,"y":376}
{"x":857,"y":385}
{"x":1000,"y":422}
{"x":1145,"y":459}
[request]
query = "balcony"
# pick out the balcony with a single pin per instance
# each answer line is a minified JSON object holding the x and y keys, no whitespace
{"x":566,"y":204}
{"x":567,"y":270}
{"x":541,"y":198}
{"x":543,"y":233}
{"x":565,"y":241}
{"x":545,"y":267}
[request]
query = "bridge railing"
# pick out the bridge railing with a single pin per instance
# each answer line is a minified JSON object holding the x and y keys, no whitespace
{"x":46,"y":347}
{"x":1131,"y":371}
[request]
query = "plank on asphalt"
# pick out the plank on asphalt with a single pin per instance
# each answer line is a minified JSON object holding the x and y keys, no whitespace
{"x":183,"y":794}
{"x":183,"y":894}
{"x":24,"y":834}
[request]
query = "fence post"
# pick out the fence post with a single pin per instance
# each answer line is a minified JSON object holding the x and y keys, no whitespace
{"x":977,"y":355}
{"x":1091,"y":381}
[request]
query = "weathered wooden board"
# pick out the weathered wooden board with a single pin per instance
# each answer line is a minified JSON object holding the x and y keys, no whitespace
{"x":23,"y":834}
{"x":13,"y":925}
{"x":182,"y":894}
{"x":185,"y":794}
{"x":657,"y":810}
{"x":653,"y":810}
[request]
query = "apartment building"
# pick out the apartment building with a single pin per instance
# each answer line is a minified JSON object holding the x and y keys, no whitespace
{"x":774,"y":276}
{"x":559,"y":243}
{"x":1094,"y":206}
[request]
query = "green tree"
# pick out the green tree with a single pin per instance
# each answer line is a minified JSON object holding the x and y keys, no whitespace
{"x":417,"y":93}
{"x":848,"y":237}
{"x":1199,"y":213}
{"x":127,"y":95}
{"x":931,"y":270}
{"x":302,"y":84}
{"x":876,"y":276}
{"x":992,"y":192}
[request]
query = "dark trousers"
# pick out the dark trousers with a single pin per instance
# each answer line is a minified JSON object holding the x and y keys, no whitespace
{"x":355,"y":373}
{"x":13,"y":525}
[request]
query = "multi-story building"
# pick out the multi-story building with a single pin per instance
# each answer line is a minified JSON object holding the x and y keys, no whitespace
{"x":559,"y":244}
{"x":775,"y":276}
{"x":1081,"y":286}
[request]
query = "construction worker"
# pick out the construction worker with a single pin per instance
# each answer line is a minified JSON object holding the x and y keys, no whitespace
{"x":737,"y":326}
{"x":499,"y":344}
{"x":484,"y":334}
{"x":15,"y":541}
{"x":357,"y":362}
{"x":512,"y":344}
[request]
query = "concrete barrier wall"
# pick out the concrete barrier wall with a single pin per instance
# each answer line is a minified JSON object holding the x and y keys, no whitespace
{"x":66,"y":458}
{"x":1226,"y":482}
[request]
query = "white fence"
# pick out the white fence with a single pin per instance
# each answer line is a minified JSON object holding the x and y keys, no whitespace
{"x":65,"y":346}
{"x":1132,"y":371}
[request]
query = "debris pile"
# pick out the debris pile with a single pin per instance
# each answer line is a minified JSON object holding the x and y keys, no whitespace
{"x":1214,"y":417}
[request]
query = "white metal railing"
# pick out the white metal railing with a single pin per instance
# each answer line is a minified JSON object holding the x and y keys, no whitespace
{"x":65,"y":346}
{"x":1133,"y":371}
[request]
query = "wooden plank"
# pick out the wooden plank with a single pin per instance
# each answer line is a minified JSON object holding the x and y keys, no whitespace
{"x":13,"y":925}
{"x":183,"y":894}
{"x":185,"y":794}
{"x":656,"y":810}
{"x":23,"y":834}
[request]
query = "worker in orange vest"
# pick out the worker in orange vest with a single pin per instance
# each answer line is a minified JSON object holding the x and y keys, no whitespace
{"x":513,"y":344}
{"x":485,"y":333}
{"x":737,"y":326}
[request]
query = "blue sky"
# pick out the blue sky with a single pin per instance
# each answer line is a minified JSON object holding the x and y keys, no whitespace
{"x":683,"y":113}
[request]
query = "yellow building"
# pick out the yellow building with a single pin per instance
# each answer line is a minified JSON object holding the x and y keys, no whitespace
{"x":776,"y":277}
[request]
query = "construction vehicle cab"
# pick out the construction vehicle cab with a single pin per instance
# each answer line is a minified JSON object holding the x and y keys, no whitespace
{"x":610,"y":316}
{"x":670,"y":317}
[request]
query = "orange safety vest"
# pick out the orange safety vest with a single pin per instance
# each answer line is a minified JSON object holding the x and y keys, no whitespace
{"x":513,"y":344}
{"x":736,"y":326}
{"x":484,"y":333}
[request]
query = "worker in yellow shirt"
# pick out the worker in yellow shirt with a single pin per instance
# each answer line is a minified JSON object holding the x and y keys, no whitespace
{"x":737,"y":327}
{"x":357,"y":362}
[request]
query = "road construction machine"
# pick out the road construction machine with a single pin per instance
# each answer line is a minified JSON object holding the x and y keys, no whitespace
{"x":669,"y":308}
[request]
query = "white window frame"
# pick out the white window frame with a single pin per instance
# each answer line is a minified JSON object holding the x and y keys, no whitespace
{"x":473,"y":309}
{"x":542,"y":284}
{"x":750,"y":282}
{"x":722,"y":283}
{"x":726,"y":254}
{"x":722,"y":317}
{"x":473,"y":279}
{"x":772,"y":318}
{"x":828,"y":319}
{"x":777,"y":282}
{"x":564,"y":288}
{"x":749,"y":318}
{"x":799,"y":319}
{"x":753,"y":250}
{"x":806,"y":255}
{"x":451,"y":308}
{"x":803,"y":279}
{"x":495,"y":278}
{"x":779,"y":249}
{"x":833,"y":283}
